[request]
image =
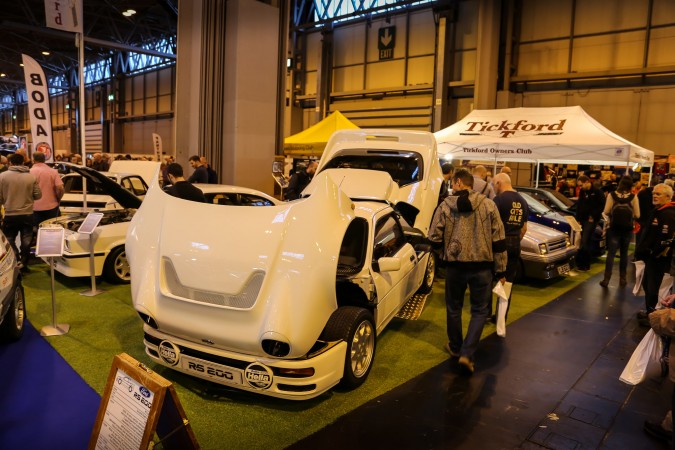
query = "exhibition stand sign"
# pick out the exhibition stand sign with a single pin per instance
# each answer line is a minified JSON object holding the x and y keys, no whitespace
{"x":137,"y":404}
{"x":564,"y":135}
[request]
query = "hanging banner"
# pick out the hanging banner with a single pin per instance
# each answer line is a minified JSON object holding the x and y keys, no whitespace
{"x":38,"y":107}
{"x":64,"y":15}
{"x":157,"y":143}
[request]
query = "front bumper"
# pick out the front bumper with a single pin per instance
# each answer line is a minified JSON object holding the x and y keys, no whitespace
{"x":545,"y":267}
{"x":77,"y":265}
{"x":255,"y":374}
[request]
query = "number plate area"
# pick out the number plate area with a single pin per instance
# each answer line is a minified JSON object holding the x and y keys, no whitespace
{"x":564,"y":269}
{"x":218,"y":372}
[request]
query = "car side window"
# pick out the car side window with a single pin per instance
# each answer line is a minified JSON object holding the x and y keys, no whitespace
{"x":136,"y":185}
{"x":389,"y":237}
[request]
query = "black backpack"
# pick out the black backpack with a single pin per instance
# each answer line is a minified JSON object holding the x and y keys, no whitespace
{"x":622,"y":213}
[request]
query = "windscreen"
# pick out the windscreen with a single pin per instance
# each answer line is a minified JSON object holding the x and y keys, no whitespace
{"x":404,"y":168}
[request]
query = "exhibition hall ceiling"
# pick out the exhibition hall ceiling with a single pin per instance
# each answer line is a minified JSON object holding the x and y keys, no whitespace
{"x":106,"y":29}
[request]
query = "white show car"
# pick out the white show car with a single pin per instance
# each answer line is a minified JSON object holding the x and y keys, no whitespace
{"x":134,"y":176}
{"x":285,"y":300}
{"x":12,"y":302}
{"x":110,"y":258}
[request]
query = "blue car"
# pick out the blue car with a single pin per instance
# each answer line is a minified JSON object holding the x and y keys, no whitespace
{"x":566,"y":208}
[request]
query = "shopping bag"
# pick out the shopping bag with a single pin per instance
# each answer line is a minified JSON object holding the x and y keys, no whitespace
{"x":646,"y":361}
{"x":503,"y":291}
{"x":664,"y":289}
{"x":639,"y":273}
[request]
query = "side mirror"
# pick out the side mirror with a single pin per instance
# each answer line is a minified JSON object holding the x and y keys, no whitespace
{"x":388,"y":264}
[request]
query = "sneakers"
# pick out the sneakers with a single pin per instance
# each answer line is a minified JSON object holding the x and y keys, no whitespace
{"x":466,"y":366}
{"x":449,"y":350}
{"x":656,"y":431}
{"x":604,"y":283}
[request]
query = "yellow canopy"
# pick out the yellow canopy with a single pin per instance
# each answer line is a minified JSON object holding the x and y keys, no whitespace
{"x":313,"y":140}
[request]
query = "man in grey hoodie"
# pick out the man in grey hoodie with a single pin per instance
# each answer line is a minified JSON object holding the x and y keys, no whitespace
{"x":468,"y":227}
{"x":18,"y":190}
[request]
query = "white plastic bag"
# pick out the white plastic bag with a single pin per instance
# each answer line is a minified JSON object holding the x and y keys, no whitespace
{"x":503,"y":292}
{"x":639,"y":274}
{"x":645,"y":361}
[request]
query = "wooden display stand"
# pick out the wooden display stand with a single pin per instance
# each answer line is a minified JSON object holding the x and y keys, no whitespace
{"x":136,"y":404}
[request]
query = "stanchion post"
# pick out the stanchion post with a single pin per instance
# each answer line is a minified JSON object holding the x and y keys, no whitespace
{"x":92,"y":270}
{"x":54,"y":329}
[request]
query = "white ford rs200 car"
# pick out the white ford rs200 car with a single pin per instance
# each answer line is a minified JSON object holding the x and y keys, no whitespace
{"x":284,"y":300}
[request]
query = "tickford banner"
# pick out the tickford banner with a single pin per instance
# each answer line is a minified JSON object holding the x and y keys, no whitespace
{"x":38,"y":107}
{"x":64,"y":15}
{"x":558,"y":134}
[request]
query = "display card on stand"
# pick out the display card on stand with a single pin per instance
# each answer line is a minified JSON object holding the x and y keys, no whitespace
{"x":137,"y":404}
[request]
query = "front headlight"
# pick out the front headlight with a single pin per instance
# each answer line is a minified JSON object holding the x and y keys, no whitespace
{"x":542,"y":249}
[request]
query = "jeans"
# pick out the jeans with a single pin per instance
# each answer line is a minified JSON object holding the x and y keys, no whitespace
{"x":14,"y":225}
{"x":584,"y":255}
{"x":618,"y":239}
{"x":41,"y":216}
{"x":479,"y":283}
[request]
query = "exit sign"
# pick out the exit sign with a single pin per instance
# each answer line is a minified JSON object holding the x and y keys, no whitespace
{"x":386,"y":40}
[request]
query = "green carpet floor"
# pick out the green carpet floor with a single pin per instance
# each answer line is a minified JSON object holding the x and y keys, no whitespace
{"x":106,"y":325}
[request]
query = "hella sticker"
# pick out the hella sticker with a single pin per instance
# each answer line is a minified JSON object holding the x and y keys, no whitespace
{"x":258,"y":376}
{"x":168,"y":352}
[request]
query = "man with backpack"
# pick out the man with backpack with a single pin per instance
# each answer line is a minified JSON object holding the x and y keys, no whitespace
{"x":622,"y":208}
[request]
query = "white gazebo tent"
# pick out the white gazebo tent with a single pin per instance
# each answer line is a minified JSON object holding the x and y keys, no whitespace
{"x":563,"y":135}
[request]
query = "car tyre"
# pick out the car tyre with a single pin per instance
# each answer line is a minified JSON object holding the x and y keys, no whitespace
{"x":116,"y":268}
{"x":11,"y":328}
{"x":429,"y":274}
{"x":356,"y":327}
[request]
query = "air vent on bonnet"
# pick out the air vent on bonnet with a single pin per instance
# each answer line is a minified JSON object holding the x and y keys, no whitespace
{"x":242,"y":300}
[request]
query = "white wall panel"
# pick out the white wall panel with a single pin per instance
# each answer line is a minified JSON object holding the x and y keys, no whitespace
{"x":347,"y":79}
{"x":422,"y":35}
{"x":348,"y":45}
{"x":543,"y":58}
{"x":385,"y":74}
{"x":661,"y":45}
{"x":313,"y":51}
{"x":466,"y":35}
{"x":464,"y":67}
{"x":597,"y":16}
{"x":656,"y":119}
{"x":545,"y":19}
{"x":420,"y":70}
{"x":663,"y":12}
{"x":608,"y":52}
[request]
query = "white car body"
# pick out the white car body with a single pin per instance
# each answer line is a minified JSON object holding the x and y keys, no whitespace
{"x":110,"y":236}
{"x":135,"y":176}
{"x":12,"y":302}
{"x":284,"y":301}
{"x":415,"y":166}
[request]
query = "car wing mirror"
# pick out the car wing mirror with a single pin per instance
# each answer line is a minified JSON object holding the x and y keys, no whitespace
{"x":388,"y":264}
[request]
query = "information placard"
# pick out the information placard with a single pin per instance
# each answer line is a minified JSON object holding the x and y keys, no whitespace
{"x":90,"y":223}
{"x":136,"y":404}
{"x":49,"y":241}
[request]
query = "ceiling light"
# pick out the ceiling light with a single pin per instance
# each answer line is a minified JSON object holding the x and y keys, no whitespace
{"x":46,"y":53}
{"x":129,"y":13}
{"x":21,"y":64}
{"x":2,"y":75}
